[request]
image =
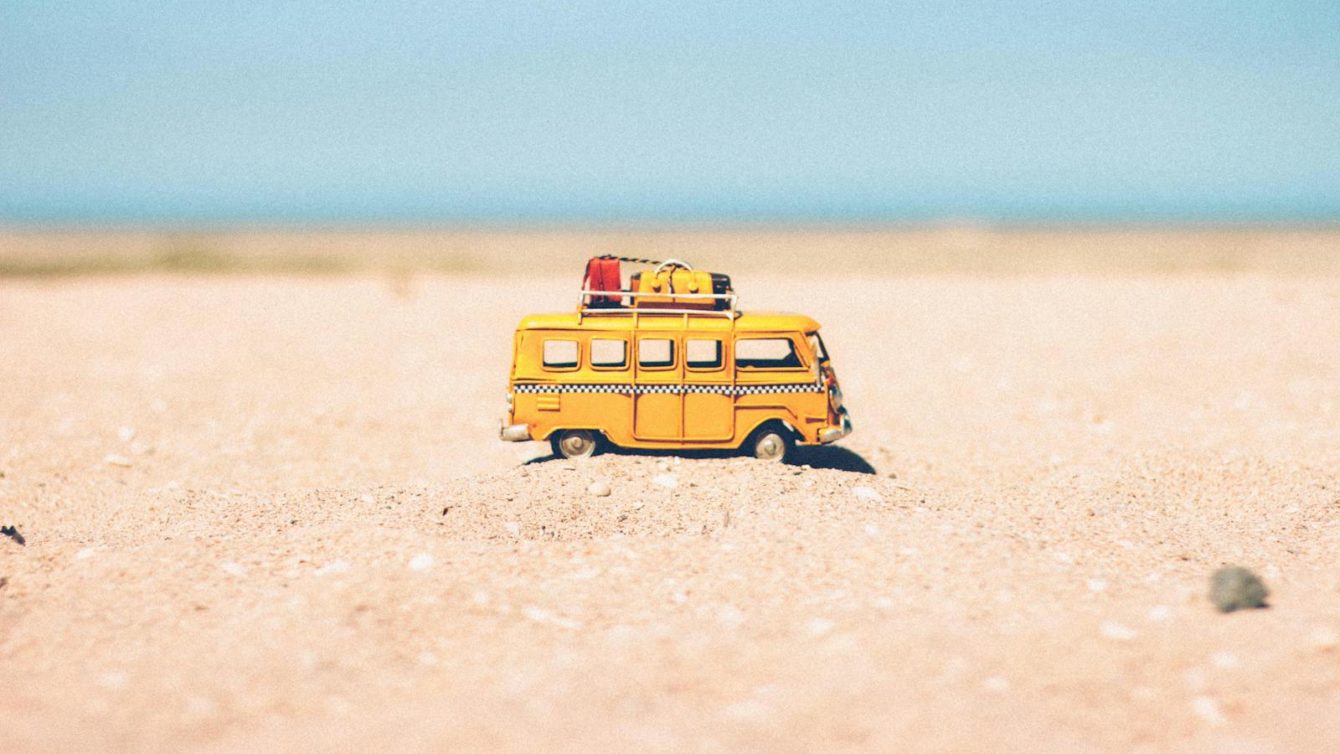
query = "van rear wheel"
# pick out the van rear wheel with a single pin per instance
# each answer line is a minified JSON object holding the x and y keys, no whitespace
{"x":770,"y":443}
{"x":574,"y":443}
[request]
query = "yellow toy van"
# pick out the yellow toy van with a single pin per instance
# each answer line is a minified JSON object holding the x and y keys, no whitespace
{"x":670,"y":363}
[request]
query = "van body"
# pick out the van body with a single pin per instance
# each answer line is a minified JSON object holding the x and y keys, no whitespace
{"x":673,"y":380}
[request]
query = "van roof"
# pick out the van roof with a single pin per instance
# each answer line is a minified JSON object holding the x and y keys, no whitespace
{"x":651,"y":320}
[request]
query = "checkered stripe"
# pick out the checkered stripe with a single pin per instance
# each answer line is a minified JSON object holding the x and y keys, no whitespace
{"x":644,"y":389}
{"x":574,"y":388}
{"x":675,"y":388}
{"x":706,"y":389}
{"x":799,"y":387}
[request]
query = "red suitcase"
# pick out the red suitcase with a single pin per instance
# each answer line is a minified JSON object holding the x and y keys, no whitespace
{"x":602,"y":274}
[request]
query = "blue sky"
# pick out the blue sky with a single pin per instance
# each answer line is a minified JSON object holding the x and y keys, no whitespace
{"x":666,"y":112}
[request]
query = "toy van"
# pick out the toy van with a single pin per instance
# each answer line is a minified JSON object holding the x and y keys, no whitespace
{"x":670,"y":363}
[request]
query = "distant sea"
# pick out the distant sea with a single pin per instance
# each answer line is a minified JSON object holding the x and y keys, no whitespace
{"x":439,"y":211}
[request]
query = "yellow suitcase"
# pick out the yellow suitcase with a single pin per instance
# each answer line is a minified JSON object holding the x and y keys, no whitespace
{"x":665,"y":288}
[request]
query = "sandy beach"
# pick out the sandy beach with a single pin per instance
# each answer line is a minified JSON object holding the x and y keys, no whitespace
{"x":263,"y":506}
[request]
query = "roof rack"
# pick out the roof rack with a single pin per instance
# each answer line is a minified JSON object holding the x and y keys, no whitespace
{"x":584,"y":308}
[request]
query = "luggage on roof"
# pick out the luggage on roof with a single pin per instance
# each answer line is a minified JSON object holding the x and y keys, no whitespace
{"x":671,"y":285}
{"x":675,"y":285}
{"x":602,"y":274}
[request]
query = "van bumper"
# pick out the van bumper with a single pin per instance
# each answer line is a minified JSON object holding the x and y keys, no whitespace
{"x":833,"y":434}
{"x":514,"y":432}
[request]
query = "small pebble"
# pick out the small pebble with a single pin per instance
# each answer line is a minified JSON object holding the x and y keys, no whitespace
{"x":115,"y":459}
{"x":1097,"y":585}
{"x":1207,"y":709}
{"x":867,"y":493}
{"x":667,"y":481}
{"x":996,"y":684}
{"x":730,"y":616}
{"x":585,"y":574}
{"x":126,"y":434}
{"x":1236,"y":588}
{"x":513,"y":528}
{"x":1144,"y":694}
{"x":233,"y":569}
{"x":540,"y":615}
{"x":1159,"y":613}
{"x":84,"y":554}
{"x":599,"y":489}
{"x":1117,"y":632}
{"x":421,"y":562}
{"x":750,"y":709}
{"x":1324,"y":638}
{"x":817,"y":627}
{"x":334,"y":566}
{"x":199,"y":706}
{"x":114,"y":680}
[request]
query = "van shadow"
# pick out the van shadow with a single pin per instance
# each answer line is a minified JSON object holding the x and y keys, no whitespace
{"x":833,"y":457}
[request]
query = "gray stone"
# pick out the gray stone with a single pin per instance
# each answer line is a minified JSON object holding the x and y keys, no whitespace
{"x":1236,"y":588}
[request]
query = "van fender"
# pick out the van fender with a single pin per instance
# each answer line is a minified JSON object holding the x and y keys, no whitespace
{"x":551,"y":432}
{"x":786,"y":425}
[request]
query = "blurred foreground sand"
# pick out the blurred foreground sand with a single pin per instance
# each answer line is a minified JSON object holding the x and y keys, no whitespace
{"x":271,"y":512}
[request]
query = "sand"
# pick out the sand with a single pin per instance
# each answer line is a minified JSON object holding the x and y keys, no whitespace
{"x":270,"y":512}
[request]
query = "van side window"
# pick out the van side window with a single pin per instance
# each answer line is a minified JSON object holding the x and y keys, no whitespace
{"x":607,"y":353}
{"x":560,"y":354}
{"x":702,"y":353}
{"x":656,"y":353}
{"x":766,"y":353}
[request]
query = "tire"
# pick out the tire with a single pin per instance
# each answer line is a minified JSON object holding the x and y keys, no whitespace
{"x":770,"y":443}
{"x":574,"y":443}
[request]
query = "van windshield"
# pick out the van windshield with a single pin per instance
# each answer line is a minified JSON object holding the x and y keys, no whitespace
{"x":817,"y":345}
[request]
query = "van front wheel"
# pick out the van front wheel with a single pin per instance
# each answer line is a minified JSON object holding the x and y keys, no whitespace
{"x":770,"y":443}
{"x":574,"y":443}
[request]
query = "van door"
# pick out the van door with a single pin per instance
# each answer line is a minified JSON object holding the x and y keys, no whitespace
{"x":658,"y":406}
{"x":709,"y":400}
{"x":770,"y":372}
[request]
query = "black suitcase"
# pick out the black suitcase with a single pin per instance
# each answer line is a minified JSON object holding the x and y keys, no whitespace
{"x":721,"y":286}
